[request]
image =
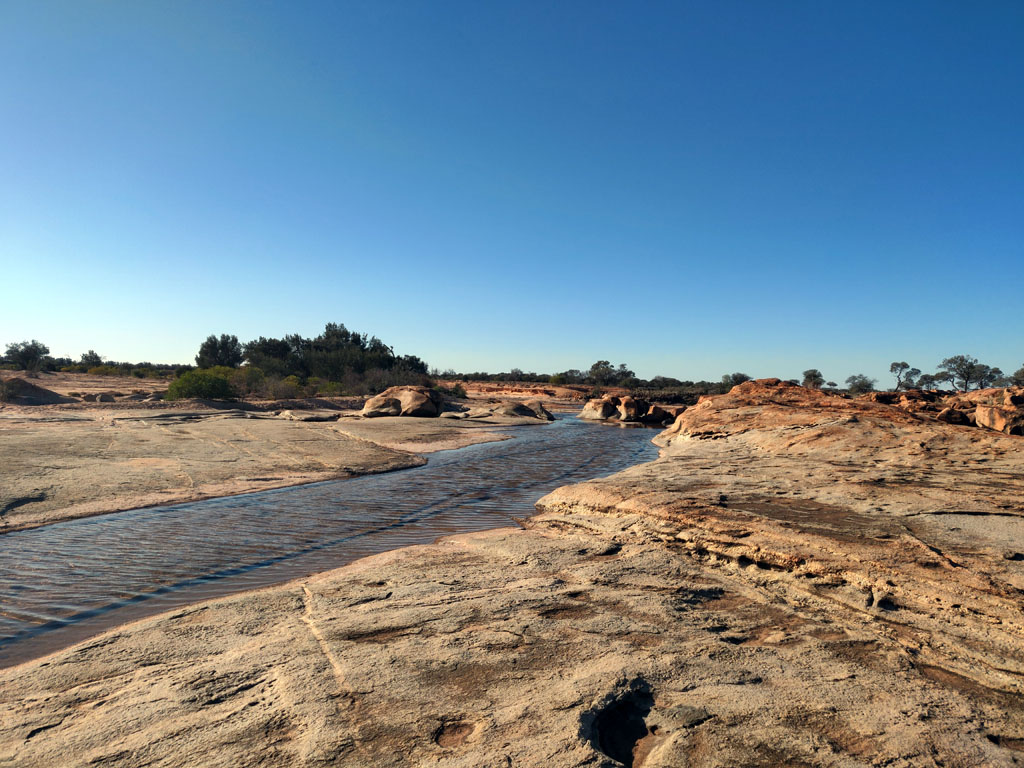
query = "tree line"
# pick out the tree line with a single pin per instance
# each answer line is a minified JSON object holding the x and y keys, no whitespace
{"x":336,"y":362}
{"x":340,"y":361}
{"x":34,"y":356}
{"x":959,"y":372}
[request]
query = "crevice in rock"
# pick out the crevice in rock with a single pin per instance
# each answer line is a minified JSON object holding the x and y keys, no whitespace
{"x":621,"y":725}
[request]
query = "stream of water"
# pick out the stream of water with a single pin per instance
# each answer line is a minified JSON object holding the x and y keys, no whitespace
{"x":62,"y":583}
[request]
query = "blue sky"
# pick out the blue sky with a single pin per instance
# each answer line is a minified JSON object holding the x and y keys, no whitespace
{"x":690,"y":188}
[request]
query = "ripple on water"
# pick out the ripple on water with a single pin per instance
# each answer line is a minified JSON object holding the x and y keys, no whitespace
{"x":64,"y":582}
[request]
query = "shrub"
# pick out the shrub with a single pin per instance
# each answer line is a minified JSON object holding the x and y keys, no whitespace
{"x":27,"y":354}
{"x":203,"y":384}
{"x":858,"y":384}
{"x":456,"y":390}
{"x":247,"y":380}
{"x":104,"y":370}
{"x":276,"y":388}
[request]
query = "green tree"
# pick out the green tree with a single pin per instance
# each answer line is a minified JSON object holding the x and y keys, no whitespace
{"x":27,"y":354}
{"x":601,"y":373}
{"x":962,"y":369}
{"x":987,"y":376}
{"x":859,"y":383}
{"x":223,"y":351}
{"x":905,"y":375}
{"x":813,"y":378}
{"x":731,"y":380}
{"x":91,"y":359}
{"x":1018,"y":377}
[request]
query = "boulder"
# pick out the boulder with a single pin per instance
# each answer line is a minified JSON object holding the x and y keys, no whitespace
{"x":632,"y":409}
{"x":404,"y":401}
{"x":600,"y":408}
{"x":531,"y":409}
{"x":22,"y":392}
{"x":539,"y":410}
{"x":104,"y":397}
{"x":1008,"y":420}
{"x":657,"y":415}
{"x":954,"y":416}
{"x":1013,"y":398}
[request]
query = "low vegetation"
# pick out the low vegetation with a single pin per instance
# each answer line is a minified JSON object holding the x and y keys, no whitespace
{"x":203,"y":384}
{"x":339,"y":362}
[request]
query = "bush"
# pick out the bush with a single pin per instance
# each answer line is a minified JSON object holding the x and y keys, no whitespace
{"x":276,"y":388}
{"x":203,"y":384}
{"x":104,"y":370}
{"x":247,"y":380}
{"x":456,"y":390}
{"x":858,"y":384}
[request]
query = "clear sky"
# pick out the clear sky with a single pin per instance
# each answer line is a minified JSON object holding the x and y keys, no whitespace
{"x":690,"y":188}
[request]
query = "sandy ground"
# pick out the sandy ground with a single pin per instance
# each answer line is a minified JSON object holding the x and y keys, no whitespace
{"x":61,"y":463}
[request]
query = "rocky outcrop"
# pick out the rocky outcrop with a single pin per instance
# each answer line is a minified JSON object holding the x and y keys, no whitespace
{"x":998,"y":409}
{"x":632,"y":409}
{"x":628,"y":409}
{"x":531,"y":409}
{"x":600,"y":409}
{"x":801,"y":579}
{"x":507,"y":409}
{"x":404,"y":401}
{"x":18,"y":391}
{"x":1009,"y":420}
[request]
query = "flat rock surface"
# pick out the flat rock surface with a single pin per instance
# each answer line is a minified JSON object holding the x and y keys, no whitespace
{"x":800,"y":580}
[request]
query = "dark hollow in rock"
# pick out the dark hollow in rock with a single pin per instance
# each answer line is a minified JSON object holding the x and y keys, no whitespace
{"x":619,"y":726}
{"x":452,"y":734}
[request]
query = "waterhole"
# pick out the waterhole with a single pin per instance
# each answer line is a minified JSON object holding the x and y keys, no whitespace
{"x":62,"y":583}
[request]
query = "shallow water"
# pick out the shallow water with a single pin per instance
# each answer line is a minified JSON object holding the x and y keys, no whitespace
{"x":62,"y":583}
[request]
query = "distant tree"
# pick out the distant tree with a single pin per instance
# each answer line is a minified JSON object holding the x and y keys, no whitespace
{"x":926,"y":381}
{"x":272,"y":356}
{"x":91,"y":359}
{"x":412,"y":364}
{"x":223,"y":351}
{"x":813,"y":378}
{"x":27,"y":354}
{"x":904,"y":374}
{"x":831,"y":384}
{"x":986,"y":376}
{"x":662,"y":382}
{"x":731,"y":380}
{"x":601,"y":373}
{"x":962,"y":369}
{"x":859,"y":383}
{"x":1018,"y":377}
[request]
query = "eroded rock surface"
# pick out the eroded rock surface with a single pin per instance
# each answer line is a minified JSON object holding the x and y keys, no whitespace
{"x":801,"y":580}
